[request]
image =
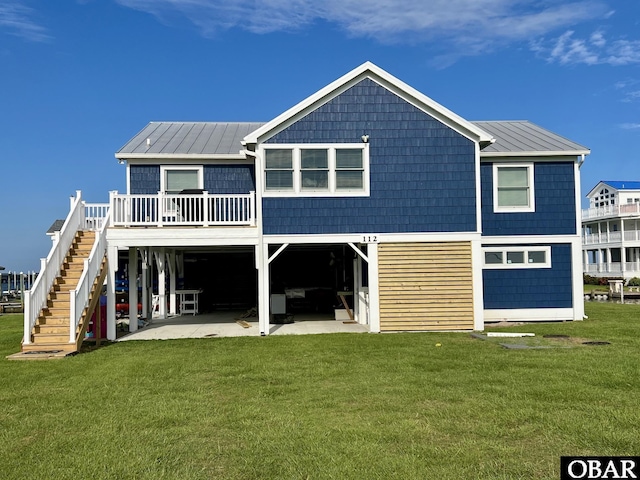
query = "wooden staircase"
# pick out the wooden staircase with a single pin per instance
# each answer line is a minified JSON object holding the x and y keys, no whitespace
{"x":50,"y":335}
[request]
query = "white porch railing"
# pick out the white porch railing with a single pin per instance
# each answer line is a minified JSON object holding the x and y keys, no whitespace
{"x":79,"y":298}
{"x":35,"y":298}
{"x":628,"y":209}
{"x":611,"y":237}
{"x":631,"y":269}
{"x":201,"y":209}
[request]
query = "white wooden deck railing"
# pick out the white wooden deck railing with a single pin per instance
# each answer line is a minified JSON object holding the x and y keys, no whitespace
{"x":614,"y":268}
{"x":611,"y":237}
{"x":79,"y":298}
{"x":627,"y":209}
{"x":202,"y":209}
{"x":35,"y":298}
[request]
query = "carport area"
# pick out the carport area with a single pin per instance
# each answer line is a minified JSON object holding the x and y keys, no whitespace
{"x":231,"y":324}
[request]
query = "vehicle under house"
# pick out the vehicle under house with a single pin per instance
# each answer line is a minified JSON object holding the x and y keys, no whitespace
{"x":611,"y":230}
{"x":366,"y":194}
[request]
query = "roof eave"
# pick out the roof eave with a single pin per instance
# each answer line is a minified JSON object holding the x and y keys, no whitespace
{"x":546,"y":153}
{"x":180,"y":156}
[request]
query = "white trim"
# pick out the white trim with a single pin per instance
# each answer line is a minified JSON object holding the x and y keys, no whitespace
{"x":163,"y":157}
{"x":128,"y":173}
{"x":182,"y":237}
{"x":165,"y":168}
{"x":375,"y":73}
{"x":478,"y":287}
{"x":532,"y":195}
{"x":528,"y":315}
{"x":374,"y":288}
{"x":520,"y":249}
{"x":331,"y":191}
{"x":550,"y":153}
{"x":478,"y":190}
{"x":578,"y":279}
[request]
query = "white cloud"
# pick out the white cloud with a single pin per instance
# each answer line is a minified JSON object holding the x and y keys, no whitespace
{"x":633,"y":96}
{"x":630,"y":126}
{"x":15,"y":19}
{"x":595,"y":50}
{"x":470,"y":26}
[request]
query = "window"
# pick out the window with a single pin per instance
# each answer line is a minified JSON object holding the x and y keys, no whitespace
{"x":517,"y":257}
{"x":316,"y":170}
{"x":513,"y":188}
{"x":278,"y":165}
{"x":177,"y":179}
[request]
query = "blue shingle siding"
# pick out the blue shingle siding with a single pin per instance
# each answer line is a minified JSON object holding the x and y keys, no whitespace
{"x":221,"y":179}
{"x":422,"y":173}
{"x":144,"y":179}
{"x":531,"y":287}
{"x":555,"y":212}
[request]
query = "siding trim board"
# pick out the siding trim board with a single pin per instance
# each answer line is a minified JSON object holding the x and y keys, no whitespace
{"x":426,"y":286}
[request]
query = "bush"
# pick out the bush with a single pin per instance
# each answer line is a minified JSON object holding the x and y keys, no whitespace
{"x":634,"y":282}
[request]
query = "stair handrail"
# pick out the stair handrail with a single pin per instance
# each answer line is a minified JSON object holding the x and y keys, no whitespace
{"x":80,"y":297}
{"x":35,"y":298}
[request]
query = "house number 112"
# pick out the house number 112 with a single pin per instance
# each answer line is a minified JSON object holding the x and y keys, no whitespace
{"x":370,"y":239}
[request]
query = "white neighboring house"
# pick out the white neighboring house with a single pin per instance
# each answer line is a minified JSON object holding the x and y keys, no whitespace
{"x":611,"y":230}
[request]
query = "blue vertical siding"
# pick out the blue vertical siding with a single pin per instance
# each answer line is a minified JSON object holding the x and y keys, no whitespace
{"x":221,"y":179}
{"x":422,"y":173}
{"x":555,"y":212}
{"x":144,"y":179}
{"x":531,"y":287}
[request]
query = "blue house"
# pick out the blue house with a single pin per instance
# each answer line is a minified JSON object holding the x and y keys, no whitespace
{"x":367,"y":194}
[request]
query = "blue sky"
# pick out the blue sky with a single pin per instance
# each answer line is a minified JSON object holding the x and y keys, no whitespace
{"x":78,"y":78}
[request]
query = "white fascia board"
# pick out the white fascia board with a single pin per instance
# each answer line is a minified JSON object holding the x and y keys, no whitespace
{"x":181,"y":237}
{"x":369,"y":70}
{"x":543,"y":155}
{"x":180,"y":156}
{"x":529,"y":314}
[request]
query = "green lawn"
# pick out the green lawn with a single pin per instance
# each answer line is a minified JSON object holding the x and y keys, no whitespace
{"x":341,"y":406}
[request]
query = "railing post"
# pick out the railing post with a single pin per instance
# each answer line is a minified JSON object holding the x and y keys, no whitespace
{"x":252,"y":208}
{"x":73,"y":294}
{"x":205,"y":208}
{"x":26,"y":339}
{"x":161,"y":208}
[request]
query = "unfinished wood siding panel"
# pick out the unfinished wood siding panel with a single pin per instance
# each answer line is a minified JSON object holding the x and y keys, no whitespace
{"x":425,"y":286}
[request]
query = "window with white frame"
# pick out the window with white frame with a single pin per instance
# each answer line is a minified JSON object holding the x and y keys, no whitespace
{"x":517,"y":257}
{"x":174,"y":179}
{"x":316,"y":170}
{"x":513,"y":188}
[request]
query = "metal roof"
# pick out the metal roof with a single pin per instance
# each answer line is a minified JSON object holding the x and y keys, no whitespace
{"x":223,"y":139}
{"x":521,"y":136}
{"x":56,"y":226}
{"x":622,"y":185}
{"x":187,"y":139}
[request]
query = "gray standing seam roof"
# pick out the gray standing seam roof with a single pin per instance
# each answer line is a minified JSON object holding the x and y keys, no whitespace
{"x":518,"y":136}
{"x":189,"y":138}
{"x":223,"y":138}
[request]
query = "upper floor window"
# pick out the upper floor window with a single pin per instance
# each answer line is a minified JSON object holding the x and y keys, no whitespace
{"x":316,"y":170}
{"x":513,"y":189}
{"x":175,"y":179}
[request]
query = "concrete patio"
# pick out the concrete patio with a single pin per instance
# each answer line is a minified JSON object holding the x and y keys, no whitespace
{"x":231,"y":324}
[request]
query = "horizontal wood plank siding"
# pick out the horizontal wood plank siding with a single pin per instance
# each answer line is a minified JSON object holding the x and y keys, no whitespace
{"x":425,"y":286}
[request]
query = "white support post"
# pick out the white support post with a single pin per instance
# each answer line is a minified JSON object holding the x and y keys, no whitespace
{"x":578,"y":280}
{"x":171,"y":263}
{"x":162,"y":289}
{"x":145,"y":283}
{"x":112,"y":261}
{"x":133,"y":289}
{"x":374,"y":289}
{"x":262,"y":257}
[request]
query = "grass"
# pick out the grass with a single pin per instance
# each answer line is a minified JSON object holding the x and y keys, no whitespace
{"x":323,"y":406}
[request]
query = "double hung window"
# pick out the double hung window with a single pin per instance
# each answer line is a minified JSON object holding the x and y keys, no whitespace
{"x":513,"y":188}
{"x":316,"y":170}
